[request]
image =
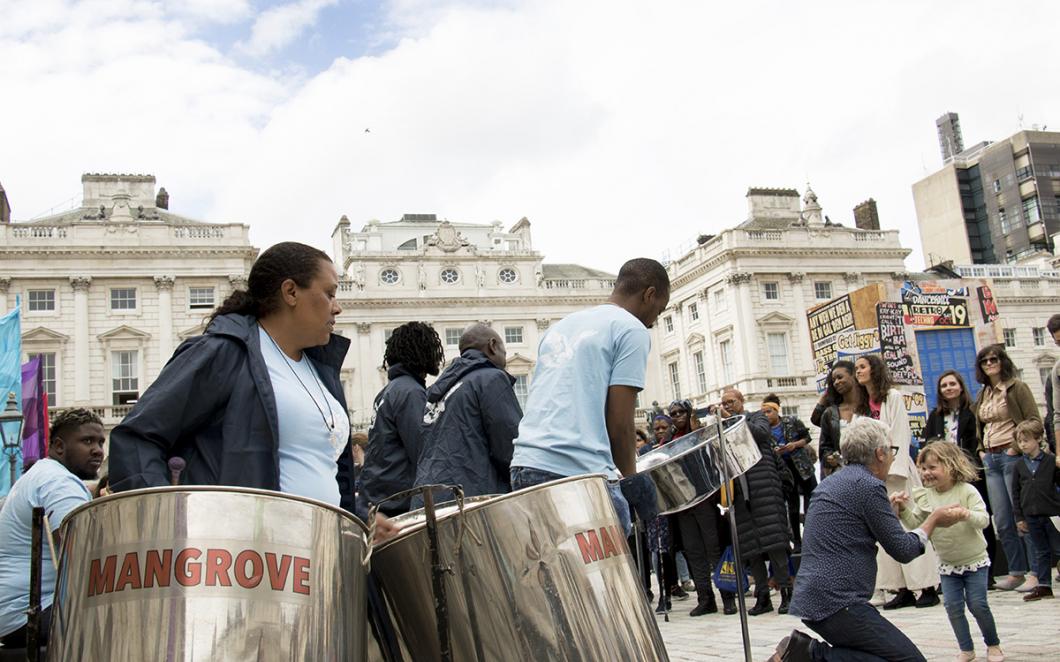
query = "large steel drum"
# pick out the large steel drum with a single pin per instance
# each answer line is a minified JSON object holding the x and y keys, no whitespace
{"x":687,"y":470}
{"x":539,"y":574}
{"x":198,"y":573}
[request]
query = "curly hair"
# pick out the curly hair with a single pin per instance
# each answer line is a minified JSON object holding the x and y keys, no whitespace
{"x":879,"y":376}
{"x":70,"y":419}
{"x":952,"y":458}
{"x":834,"y":396}
{"x":416,"y":346}
{"x":288,"y":259}
{"x":1008,"y":369}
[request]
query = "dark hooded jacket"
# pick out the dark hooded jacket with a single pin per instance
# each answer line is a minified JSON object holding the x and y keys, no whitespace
{"x":471,"y":418}
{"x":761,"y":511}
{"x":213,"y":405}
{"x":393,"y":441}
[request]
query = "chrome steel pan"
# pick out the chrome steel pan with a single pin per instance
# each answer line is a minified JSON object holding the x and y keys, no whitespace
{"x":687,"y":470}
{"x":197,"y":573}
{"x":539,"y":574}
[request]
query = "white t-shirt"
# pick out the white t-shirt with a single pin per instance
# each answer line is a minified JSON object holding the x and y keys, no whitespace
{"x":50,"y":485}
{"x":307,"y":456}
{"x":564,"y":430}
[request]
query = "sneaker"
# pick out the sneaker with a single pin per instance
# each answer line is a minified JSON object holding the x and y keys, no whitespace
{"x":1028,"y":585}
{"x":1038,"y":593}
{"x":995,"y":654}
{"x":928,"y":598}
{"x":1009,"y":582}
{"x":688,"y":585}
{"x":678,"y":593}
{"x":905,"y":598}
{"x":965,"y":656}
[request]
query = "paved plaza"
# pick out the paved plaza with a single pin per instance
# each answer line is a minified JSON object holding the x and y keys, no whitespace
{"x":1028,"y":631}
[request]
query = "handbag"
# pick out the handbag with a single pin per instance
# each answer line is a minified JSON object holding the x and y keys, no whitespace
{"x":725,"y":574}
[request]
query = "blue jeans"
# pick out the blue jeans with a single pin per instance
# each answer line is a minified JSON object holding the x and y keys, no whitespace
{"x":859,"y":633}
{"x":1046,"y":541}
{"x":1000,"y":472}
{"x":523,"y":477}
{"x":969,"y":588}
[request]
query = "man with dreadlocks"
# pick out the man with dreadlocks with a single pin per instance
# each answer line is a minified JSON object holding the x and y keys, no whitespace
{"x":412,"y":352}
{"x":55,"y":483}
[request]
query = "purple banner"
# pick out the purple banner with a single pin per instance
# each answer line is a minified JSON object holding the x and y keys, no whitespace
{"x":34,"y":413}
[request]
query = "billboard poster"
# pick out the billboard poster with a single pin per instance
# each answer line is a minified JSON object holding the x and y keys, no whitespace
{"x":987,"y":304}
{"x":893,"y":344}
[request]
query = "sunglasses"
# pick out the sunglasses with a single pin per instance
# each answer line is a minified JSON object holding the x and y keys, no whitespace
{"x":989,"y":360}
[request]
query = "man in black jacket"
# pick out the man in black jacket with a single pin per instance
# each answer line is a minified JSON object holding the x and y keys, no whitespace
{"x":413,"y":351}
{"x":471,"y":418}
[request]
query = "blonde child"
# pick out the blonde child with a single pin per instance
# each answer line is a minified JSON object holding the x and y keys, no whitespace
{"x":964,"y":566}
{"x":1035,"y":497}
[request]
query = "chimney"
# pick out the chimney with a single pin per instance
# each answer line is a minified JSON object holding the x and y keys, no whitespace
{"x":162,"y":199}
{"x":866,"y":217}
{"x":5,"y":207}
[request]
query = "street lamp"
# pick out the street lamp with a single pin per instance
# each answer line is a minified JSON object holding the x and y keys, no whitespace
{"x":11,"y":432}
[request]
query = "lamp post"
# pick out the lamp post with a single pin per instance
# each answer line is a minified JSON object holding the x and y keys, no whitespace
{"x":11,"y":432}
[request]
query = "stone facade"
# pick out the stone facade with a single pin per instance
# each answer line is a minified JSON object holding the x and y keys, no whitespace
{"x":110,"y":288}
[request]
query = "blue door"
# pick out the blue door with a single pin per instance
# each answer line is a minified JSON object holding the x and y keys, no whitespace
{"x":946,"y":349}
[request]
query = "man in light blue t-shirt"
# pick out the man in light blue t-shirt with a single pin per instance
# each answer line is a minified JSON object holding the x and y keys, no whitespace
{"x":579,"y":416}
{"x":54,"y":483}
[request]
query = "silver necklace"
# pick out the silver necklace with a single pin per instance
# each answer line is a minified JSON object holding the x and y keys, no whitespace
{"x":333,"y":437}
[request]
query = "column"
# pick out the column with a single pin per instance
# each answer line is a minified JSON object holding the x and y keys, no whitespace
{"x":743,"y":332}
{"x":5,"y":284}
{"x":803,"y":363}
{"x":362,"y":403}
{"x":165,"y":319}
{"x":81,"y":349}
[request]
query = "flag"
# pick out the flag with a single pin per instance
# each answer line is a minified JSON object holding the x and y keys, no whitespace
{"x":10,"y":380}
{"x":34,"y":412}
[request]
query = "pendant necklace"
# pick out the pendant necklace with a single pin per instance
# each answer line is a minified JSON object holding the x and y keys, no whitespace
{"x":333,"y":437}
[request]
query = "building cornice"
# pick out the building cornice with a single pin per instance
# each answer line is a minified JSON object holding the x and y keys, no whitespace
{"x":155,"y":251}
{"x":816,"y":253}
{"x":478,"y":302}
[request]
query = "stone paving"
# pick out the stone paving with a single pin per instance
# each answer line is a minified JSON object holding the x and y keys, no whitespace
{"x":1028,"y":631}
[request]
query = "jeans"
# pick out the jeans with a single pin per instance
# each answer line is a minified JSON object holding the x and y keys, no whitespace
{"x":969,"y":588}
{"x":1000,"y":472}
{"x":1046,"y":539}
{"x":682,"y":566}
{"x":523,"y":477}
{"x":860,"y":633}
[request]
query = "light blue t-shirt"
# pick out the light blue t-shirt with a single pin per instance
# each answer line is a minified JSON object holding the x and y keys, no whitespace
{"x":50,"y":485}
{"x":563,"y":429}
{"x":307,"y":456}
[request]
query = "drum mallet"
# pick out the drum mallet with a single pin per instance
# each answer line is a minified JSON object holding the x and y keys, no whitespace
{"x":176,"y":466}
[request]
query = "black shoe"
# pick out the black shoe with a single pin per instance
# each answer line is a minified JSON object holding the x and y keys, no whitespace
{"x":905,"y":598}
{"x":707,"y":605}
{"x":678,"y":593}
{"x":793,"y":648}
{"x":928,"y":598}
{"x":785,"y":600}
{"x":763,"y":604}
{"x":664,"y":606}
{"x":728,"y":603}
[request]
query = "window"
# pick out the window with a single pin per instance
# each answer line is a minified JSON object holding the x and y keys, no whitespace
{"x":40,"y":300}
{"x":1044,"y":374}
{"x":725,"y":350}
{"x":1010,"y":337}
{"x":200,"y":297}
{"x":771,"y":291}
{"x":123,"y":298}
{"x":513,"y":335}
{"x":720,"y":302}
{"x":668,"y":324}
{"x":125,"y":382}
{"x":675,"y":380}
{"x":789,"y":410}
{"x":822,"y":289}
{"x":997,"y":186}
{"x":1031,"y":212}
{"x":777,"y":344}
{"x":1039,"y":336}
{"x":452,"y":337}
{"x":1002,"y":218}
{"x":693,"y":311}
{"x":701,"y":371}
{"x":507,"y":275}
{"x":47,"y":363}
{"x":522,"y":389}
{"x":450,"y":276}
{"x":389,"y":276}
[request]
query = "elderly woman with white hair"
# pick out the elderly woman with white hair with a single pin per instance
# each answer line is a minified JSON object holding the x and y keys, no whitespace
{"x":848,"y":515}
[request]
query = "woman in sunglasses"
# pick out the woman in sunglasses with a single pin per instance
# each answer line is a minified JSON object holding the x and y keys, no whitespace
{"x":1003,"y":403}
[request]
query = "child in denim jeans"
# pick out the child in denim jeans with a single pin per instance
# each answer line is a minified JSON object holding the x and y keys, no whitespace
{"x":1036,"y":496}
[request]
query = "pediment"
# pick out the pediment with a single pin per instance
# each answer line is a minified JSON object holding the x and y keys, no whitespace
{"x":518,"y":360}
{"x":1043,"y":360}
{"x":124,"y":332}
{"x":694,"y":339}
{"x":191,"y":332}
{"x":42,"y":334}
{"x":775,"y":318}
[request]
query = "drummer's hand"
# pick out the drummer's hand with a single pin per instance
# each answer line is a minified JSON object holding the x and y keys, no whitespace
{"x":384,"y":528}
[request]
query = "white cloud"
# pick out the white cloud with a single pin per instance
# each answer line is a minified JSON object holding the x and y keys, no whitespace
{"x":209,"y":11}
{"x":279,"y":26}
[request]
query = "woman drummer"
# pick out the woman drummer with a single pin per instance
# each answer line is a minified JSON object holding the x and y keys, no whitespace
{"x":256,"y":400}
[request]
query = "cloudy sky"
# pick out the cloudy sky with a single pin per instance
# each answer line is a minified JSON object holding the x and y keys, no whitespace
{"x":620,"y":128}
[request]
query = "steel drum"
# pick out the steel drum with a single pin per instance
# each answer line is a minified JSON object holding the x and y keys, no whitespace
{"x":687,"y":470}
{"x":199,"y":573}
{"x":539,"y":574}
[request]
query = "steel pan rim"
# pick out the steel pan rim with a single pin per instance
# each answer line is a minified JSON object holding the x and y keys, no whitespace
{"x":420,"y":528}
{"x":227,"y":489}
{"x":692,"y":449}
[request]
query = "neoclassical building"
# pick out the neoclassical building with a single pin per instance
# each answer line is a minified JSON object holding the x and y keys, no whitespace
{"x":110,"y":288}
{"x":449,"y":274}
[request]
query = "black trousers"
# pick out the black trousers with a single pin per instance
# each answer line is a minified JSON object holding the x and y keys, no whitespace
{"x":699,"y":530}
{"x":779,"y":561}
{"x":17,"y":639}
{"x":805,"y":487}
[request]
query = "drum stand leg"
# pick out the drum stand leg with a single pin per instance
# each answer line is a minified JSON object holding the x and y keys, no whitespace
{"x":740,"y":598}
{"x":33,"y":613}
{"x":663,"y":586}
{"x":438,"y":571}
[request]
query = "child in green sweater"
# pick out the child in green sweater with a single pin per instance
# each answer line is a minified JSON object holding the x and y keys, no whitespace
{"x":964,"y":566}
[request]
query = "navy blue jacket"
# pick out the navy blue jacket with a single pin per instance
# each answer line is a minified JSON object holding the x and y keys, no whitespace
{"x":471,"y":419}
{"x":213,"y":405}
{"x":393,"y":441}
